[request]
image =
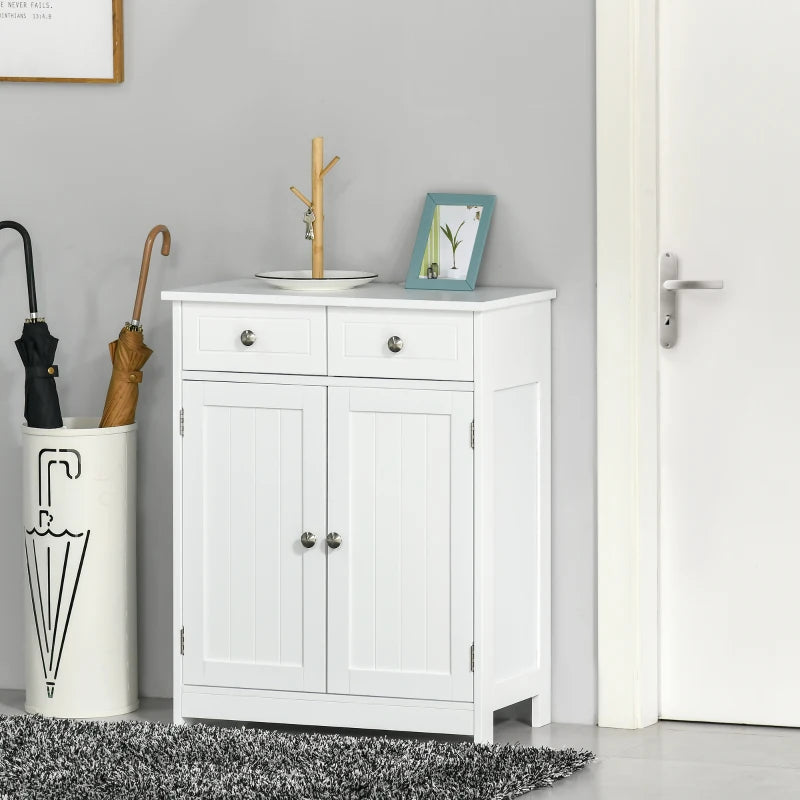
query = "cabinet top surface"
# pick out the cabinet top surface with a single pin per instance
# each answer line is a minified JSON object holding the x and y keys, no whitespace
{"x":373,"y":295}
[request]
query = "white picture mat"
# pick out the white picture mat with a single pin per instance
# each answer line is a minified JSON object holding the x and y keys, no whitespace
{"x":454,"y":216}
{"x":56,"y":39}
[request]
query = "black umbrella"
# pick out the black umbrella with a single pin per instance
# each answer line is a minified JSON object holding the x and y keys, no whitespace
{"x":37,"y":349}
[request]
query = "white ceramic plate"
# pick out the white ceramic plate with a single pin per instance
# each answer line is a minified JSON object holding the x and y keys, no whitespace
{"x":301,"y":280}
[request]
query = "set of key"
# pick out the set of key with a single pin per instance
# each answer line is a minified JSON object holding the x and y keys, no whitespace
{"x":309,"y":218}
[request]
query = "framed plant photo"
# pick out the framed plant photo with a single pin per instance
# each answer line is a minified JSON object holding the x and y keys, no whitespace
{"x":75,"y":41}
{"x":452,"y":234}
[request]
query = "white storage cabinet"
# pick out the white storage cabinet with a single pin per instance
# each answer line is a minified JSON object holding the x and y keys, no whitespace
{"x":362,"y":506}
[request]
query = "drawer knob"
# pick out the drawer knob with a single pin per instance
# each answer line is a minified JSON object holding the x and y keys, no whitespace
{"x":395,"y":344}
{"x":334,"y":540}
{"x":248,"y":338}
{"x":308,"y":539}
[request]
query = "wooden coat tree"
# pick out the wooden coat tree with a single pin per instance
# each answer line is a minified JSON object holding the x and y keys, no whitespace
{"x":317,"y":205}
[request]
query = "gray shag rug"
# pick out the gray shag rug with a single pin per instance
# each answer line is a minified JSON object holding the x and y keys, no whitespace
{"x":73,"y":760}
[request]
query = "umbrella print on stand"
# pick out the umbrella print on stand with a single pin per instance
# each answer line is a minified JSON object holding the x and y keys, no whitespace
{"x":129,"y":353}
{"x":37,"y":349}
{"x":54,"y":562}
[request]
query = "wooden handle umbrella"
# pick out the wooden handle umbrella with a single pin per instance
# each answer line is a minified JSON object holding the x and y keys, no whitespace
{"x":129,"y":353}
{"x":148,"y":251}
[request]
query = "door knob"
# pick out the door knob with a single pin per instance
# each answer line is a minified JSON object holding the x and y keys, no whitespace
{"x":395,"y":344}
{"x":333,"y":539}
{"x":669,"y":285}
{"x":248,"y":338}
{"x":308,"y":539}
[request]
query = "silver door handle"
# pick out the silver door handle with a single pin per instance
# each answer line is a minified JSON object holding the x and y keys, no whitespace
{"x":669,"y":286}
{"x":333,"y":540}
{"x":673,"y":286}
{"x":308,"y":539}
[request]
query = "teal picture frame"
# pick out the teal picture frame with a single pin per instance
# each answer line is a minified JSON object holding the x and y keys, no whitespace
{"x":456,"y":271}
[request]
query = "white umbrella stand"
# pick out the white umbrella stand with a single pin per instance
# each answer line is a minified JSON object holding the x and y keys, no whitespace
{"x":79,"y":520}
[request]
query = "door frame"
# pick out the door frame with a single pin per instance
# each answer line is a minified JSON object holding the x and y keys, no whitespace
{"x":627,"y":362}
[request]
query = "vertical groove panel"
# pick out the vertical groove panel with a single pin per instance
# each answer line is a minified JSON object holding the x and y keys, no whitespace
{"x":414,"y":578}
{"x":268,"y":521}
{"x":254,"y":540}
{"x":247,"y":516}
{"x":277,"y":534}
{"x":242,"y":534}
{"x":439,"y":493}
{"x":291,"y":527}
{"x":387,"y":541}
{"x":424,"y":547}
{"x":359,"y":545}
{"x":402,"y":461}
{"x":216,"y":532}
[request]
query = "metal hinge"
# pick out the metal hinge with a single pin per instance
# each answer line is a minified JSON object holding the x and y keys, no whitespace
{"x":472,"y":434}
{"x":182,"y":642}
{"x":472,"y":658}
{"x":181,"y":422}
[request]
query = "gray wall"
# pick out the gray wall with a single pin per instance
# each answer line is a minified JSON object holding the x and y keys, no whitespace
{"x":211,"y":126}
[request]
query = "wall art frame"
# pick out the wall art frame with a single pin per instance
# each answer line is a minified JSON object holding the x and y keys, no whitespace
{"x":62,"y":41}
{"x":449,"y":221}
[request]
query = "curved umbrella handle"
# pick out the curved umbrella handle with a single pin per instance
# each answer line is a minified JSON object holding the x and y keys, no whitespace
{"x":26,"y":242}
{"x":148,"y":250}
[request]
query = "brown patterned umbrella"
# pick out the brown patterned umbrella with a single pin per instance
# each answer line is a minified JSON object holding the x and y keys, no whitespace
{"x":129,"y":353}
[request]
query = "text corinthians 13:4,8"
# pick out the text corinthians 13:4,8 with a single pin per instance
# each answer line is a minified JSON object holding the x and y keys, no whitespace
{"x":19,"y":9}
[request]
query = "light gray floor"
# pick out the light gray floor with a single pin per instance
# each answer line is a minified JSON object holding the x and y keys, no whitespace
{"x":671,"y":760}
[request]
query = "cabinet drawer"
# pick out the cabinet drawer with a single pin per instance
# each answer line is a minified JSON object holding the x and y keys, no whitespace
{"x":432,"y":344}
{"x":288,"y":339}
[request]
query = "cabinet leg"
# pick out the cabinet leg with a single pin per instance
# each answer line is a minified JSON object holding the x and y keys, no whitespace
{"x":540,"y":710}
{"x":484,"y":726}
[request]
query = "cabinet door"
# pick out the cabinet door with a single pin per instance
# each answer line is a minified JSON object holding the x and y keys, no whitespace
{"x":253,"y":482}
{"x":400,"y":596}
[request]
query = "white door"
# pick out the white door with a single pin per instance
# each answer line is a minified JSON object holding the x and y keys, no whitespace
{"x":729,"y":109}
{"x":400,"y":584}
{"x":254,"y":482}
